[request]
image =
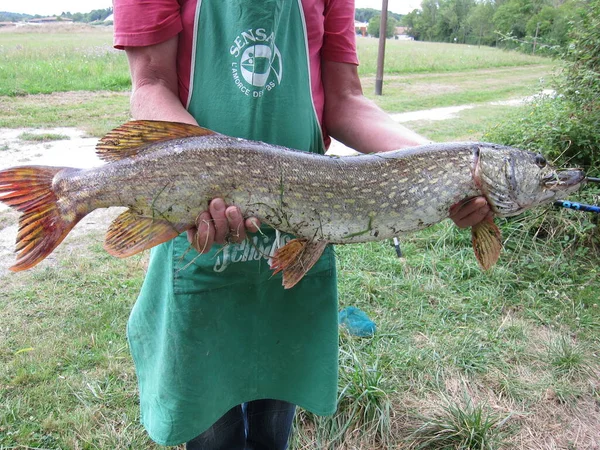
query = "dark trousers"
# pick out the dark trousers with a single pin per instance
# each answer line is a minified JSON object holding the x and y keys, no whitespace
{"x":256,"y":425}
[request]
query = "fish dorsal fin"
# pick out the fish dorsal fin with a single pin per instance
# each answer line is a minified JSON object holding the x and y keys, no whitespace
{"x":487,"y":242}
{"x":133,"y":137}
{"x":130,"y":233}
{"x":295,"y":259}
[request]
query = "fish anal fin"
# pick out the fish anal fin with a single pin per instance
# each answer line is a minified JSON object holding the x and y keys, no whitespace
{"x":132,"y":137}
{"x":130,"y":234}
{"x":487,"y":243}
{"x":295,"y":259}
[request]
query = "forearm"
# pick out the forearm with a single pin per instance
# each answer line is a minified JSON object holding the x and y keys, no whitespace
{"x":155,"y":93}
{"x":155,"y":101}
{"x":360,"y":124}
{"x":355,"y":120}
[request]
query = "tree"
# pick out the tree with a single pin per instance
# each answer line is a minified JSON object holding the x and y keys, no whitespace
{"x":93,"y":16}
{"x":6,"y":16}
{"x":452,"y":24}
{"x":566,"y":126}
{"x":480,"y":22}
{"x":366,"y":14}
{"x":484,"y":21}
{"x":511,"y":17}
{"x":375,"y":22}
{"x":428,"y":19}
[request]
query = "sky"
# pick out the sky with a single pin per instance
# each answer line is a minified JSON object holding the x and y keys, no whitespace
{"x":397,"y":6}
{"x":55,"y":7}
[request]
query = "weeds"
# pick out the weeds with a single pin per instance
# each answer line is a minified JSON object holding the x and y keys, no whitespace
{"x":364,"y":407}
{"x":567,"y":360}
{"x":42,"y":137}
{"x":468,"y":427}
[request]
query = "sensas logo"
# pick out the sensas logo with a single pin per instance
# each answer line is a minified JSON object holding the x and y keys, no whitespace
{"x":257,"y":66}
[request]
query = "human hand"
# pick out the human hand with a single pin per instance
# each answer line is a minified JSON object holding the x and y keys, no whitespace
{"x":221,"y":224}
{"x":470,"y":211}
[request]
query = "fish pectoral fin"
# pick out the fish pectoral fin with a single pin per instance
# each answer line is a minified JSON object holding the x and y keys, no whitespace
{"x":487,"y":243}
{"x":295,"y":259}
{"x":130,"y":233}
{"x":132,"y":137}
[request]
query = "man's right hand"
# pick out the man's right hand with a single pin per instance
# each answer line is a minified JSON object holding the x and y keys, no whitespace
{"x":221,"y":224}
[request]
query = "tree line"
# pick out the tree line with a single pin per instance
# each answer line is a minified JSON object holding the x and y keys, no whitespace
{"x":95,"y":15}
{"x":373,"y":18}
{"x":541,"y":25}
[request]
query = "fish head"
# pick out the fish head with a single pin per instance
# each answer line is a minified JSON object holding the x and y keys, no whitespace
{"x":515,"y":180}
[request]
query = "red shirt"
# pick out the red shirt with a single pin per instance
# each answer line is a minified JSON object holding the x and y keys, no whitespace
{"x":329,"y":24}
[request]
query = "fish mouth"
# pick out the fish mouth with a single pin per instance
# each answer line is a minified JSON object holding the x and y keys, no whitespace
{"x":557,"y":185}
{"x":564,"y":180}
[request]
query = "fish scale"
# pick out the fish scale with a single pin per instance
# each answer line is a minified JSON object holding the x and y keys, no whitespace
{"x":340,"y":200}
{"x":166,"y":173}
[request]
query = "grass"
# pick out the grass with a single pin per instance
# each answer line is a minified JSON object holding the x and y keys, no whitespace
{"x":472,"y":86}
{"x":459,"y":427}
{"x":42,"y":137}
{"x":56,"y":61}
{"x":444,"y":329}
{"x":461,"y":359}
{"x":82,"y":58}
{"x":95,"y":112}
{"x":66,"y":73}
{"x":469,"y":124}
{"x":66,"y":378}
{"x":411,"y":57}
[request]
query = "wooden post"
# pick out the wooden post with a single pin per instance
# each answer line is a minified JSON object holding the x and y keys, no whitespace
{"x":381,"y":53}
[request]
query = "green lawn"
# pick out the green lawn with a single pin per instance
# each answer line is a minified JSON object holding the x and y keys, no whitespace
{"x":461,"y":359}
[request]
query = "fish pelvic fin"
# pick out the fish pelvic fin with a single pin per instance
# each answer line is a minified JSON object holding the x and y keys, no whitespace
{"x":487,"y":243}
{"x":131,"y":233}
{"x":42,"y":225}
{"x":133,"y":137}
{"x":295,"y":259}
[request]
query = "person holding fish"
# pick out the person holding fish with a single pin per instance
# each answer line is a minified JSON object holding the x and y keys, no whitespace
{"x":223,"y":353}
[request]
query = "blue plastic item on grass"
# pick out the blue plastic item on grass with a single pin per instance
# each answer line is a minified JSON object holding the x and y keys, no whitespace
{"x":356,"y":322}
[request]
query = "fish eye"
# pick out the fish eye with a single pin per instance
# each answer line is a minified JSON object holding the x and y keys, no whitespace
{"x":540,"y":161}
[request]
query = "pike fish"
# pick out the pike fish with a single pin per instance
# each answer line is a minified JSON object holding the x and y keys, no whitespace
{"x":166,"y":173}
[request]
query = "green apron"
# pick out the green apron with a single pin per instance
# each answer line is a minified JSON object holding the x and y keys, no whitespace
{"x":209,"y":332}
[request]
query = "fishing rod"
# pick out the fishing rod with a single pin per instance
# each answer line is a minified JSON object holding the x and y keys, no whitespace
{"x":580,"y":206}
{"x":577,"y":206}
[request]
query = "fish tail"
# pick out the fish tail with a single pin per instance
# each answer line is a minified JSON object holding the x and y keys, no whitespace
{"x":42,"y":226}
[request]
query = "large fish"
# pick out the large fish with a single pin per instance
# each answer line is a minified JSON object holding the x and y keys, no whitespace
{"x":166,"y":173}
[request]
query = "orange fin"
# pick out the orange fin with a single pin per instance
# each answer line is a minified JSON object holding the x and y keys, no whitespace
{"x":42,"y":227}
{"x":130,"y":233}
{"x":487,"y":242}
{"x":131,"y":138}
{"x":295,"y":259}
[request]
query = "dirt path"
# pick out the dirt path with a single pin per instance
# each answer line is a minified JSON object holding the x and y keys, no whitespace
{"x":434,"y":114}
{"x":76,"y":151}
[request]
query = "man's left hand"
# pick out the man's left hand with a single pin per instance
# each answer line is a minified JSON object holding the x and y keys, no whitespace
{"x":470,"y":211}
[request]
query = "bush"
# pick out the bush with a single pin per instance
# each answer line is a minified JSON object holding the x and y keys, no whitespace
{"x":565,"y":127}
{"x":555,"y":127}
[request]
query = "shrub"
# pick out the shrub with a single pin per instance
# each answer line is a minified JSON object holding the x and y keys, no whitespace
{"x":565,"y":127}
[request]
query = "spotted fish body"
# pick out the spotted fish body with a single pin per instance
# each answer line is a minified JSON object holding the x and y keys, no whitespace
{"x":165,"y":174}
{"x":339,"y":200}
